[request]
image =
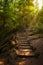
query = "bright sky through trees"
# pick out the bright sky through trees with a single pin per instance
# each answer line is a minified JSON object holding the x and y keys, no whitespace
{"x":39,"y":3}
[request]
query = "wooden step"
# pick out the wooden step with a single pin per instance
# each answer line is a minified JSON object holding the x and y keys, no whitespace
{"x":24,"y":47}
{"x":22,"y":52}
{"x":24,"y":44}
{"x":21,"y":38}
{"x":22,"y":41}
{"x":29,"y":50}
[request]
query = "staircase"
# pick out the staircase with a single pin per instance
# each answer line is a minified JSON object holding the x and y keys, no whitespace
{"x":24,"y":47}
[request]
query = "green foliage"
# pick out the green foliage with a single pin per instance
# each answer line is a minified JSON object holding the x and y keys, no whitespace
{"x":40,"y":19}
{"x":16,"y":13}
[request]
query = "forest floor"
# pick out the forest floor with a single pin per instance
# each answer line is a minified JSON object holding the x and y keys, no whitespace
{"x":31,"y":61}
